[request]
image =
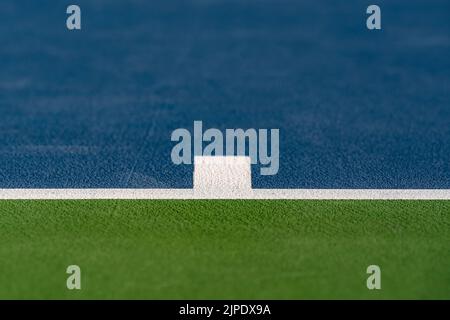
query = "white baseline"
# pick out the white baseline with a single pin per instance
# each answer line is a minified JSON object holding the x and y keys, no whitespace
{"x":287,"y":194}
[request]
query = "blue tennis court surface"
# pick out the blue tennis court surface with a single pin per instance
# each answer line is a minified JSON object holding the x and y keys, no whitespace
{"x":95,"y":108}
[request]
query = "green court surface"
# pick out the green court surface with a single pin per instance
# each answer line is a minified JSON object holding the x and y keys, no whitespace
{"x":211,"y":249}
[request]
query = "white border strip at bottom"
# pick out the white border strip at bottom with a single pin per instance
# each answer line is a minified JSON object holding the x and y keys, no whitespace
{"x":318,"y":194}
